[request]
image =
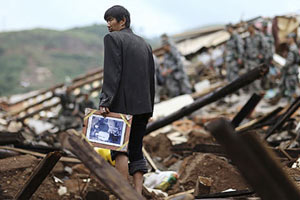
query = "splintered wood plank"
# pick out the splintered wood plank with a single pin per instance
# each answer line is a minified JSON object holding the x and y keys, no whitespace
{"x":103,"y":171}
{"x":38,"y":176}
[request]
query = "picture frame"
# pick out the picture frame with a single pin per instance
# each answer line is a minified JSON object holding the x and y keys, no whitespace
{"x":111,"y":131}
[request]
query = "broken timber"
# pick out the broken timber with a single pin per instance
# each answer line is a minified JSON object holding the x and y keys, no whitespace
{"x":258,"y":122}
{"x":209,"y":98}
{"x":41,"y":155}
{"x":255,"y":162}
{"x":293,"y":108}
{"x":104,"y":172}
{"x":246,"y":110}
{"x":10,"y":138}
{"x":149,"y":159}
{"x":38,"y":175}
{"x":237,"y":193}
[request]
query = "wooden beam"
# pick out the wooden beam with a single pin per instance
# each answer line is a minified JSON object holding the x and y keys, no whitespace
{"x":258,"y":121}
{"x":41,"y":155}
{"x":255,"y":161}
{"x":293,"y":108}
{"x":104,"y":172}
{"x":246,"y":110}
{"x":88,"y":80}
{"x":149,"y":159}
{"x":237,"y":193}
{"x":38,"y":176}
{"x":42,"y":92}
{"x":10,"y":138}
{"x":20,"y":119}
{"x":209,"y":98}
{"x":181,"y":195}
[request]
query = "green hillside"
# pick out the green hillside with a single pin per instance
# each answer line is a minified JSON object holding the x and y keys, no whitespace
{"x":40,"y":58}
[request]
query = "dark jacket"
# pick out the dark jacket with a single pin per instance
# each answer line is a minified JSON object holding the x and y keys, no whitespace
{"x":128,"y":84}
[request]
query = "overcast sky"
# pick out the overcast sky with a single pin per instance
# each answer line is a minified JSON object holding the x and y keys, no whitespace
{"x":149,"y":17}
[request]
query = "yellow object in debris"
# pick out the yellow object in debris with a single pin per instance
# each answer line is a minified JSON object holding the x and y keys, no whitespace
{"x":105,"y":153}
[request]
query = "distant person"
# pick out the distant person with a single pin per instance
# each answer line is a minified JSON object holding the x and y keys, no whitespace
{"x":268,"y":52}
{"x":254,"y":52}
{"x":128,"y":87}
{"x":176,"y":79}
{"x":289,"y":72}
{"x":67,"y":115}
{"x":269,"y":43}
{"x":234,"y":51}
{"x":83,"y":103}
{"x":159,"y":79}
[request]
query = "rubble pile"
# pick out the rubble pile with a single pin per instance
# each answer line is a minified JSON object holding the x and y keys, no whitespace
{"x":218,"y":141}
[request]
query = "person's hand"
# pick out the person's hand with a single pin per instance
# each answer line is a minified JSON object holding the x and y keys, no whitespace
{"x":167,"y":72}
{"x":260,"y":56}
{"x":240,"y":61}
{"x":103,"y":110}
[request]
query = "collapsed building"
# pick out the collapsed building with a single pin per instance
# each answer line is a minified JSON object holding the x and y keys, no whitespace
{"x":248,"y":153}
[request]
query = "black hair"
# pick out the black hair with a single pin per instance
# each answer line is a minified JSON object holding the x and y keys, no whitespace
{"x":118,"y":12}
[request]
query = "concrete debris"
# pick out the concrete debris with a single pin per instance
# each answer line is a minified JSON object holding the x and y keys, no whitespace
{"x":170,"y":106}
{"x":62,"y":190}
{"x":177,"y":139}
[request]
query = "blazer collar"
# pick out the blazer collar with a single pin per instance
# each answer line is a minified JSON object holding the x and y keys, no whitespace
{"x":128,"y":30}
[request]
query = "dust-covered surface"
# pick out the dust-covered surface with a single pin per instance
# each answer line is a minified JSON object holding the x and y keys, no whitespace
{"x":223,"y":174}
{"x":39,"y":131}
{"x":15,"y":171}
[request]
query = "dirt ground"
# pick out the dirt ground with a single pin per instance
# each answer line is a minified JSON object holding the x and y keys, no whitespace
{"x":14,"y":172}
{"x":80,"y":184}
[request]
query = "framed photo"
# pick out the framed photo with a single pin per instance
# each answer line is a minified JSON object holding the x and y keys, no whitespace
{"x":110,"y":131}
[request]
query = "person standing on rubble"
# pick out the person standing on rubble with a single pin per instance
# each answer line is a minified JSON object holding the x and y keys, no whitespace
{"x":269,"y":50}
{"x":176,"y":79}
{"x":254,"y":52}
{"x":289,"y":72}
{"x":233,"y":54}
{"x":128,"y":88}
{"x":159,"y":79}
{"x":269,"y":44}
{"x":254,"y":48}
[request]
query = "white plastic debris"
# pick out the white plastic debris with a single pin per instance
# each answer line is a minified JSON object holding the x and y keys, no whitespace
{"x":229,"y":190}
{"x":57,"y":180}
{"x":177,"y":138}
{"x":157,"y":192}
{"x":296,"y":164}
{"x":279,"y":60}
{"x":167,"y":107}
{"x":39,"y":126}
{"x":86,"y":180}
{"x":62,"y":190}
{"x":201,"y":86}
{"x":154,"y":179}
{"x":68,"y":170}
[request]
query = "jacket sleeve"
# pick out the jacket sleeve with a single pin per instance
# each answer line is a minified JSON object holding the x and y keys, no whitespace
{"x":112,"y":70}
{"x":290,"y":59}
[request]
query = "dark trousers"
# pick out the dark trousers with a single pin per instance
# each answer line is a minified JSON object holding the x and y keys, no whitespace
{"x":135,"y":153}
{"x":138,"y":128}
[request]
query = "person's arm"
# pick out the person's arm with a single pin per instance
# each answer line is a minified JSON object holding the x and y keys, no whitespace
{"x":288,"y":63}
{"x":112,"y":72}
{"x":290,"y":59}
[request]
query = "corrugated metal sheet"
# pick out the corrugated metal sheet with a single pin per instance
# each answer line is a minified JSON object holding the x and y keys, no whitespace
{"x":191,"y":46}
{"x":197,"y":32}
{"x":285,"y":26}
